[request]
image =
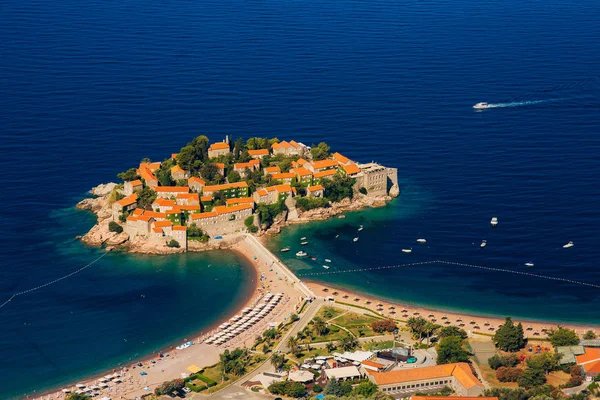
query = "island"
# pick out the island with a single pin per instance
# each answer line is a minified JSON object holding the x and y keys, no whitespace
{"x":207,"y":194}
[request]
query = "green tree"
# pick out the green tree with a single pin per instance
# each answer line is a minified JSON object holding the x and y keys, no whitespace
{"x":531,"y":377}
{"x":191,"y":156}
{"x":509,"y":337}
{"x":447,"y":331}
{"x":114,"y":227}
{"x":450,"y":350}
{"x":277,"y":360}
{"x":77,"y":396}
{"x":296,"y":389}
{"x":589,"y":335}
{"x":210,"y":173}
{"x":383,"y":325}
{"x":417,"y":326}
{"x":271,"y":334}
{"x":348,"y":342}
{"x":129,"y":175}
{"x":317,"y":388}
{"x":146,"y":197}
{"x":336,"y":388}
{"x":238,"y":147}
{"x":293,"y":345}
{"x":545,"y":362}
{"x":164,"y":174}
{"x":320,"y":151}
{"x":233,"y":177}
{"x":503,"y":360}
{"x":319,"y":326}
{"x":330,"y":346}
{"x":365,"y":388}
{"x":310,"y":203}
{"x":430,"y":328}
{"x":249,"y":223}
{"x":338,"y":188}
{"x":194,"y":230}
{"x":508,"y":374}
{"x":503,"y":393}
{"x":173,"y":243}
{"x":563,"y":337}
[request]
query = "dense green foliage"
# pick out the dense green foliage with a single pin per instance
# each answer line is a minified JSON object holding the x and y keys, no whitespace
{"x":363,"y":190}
{"x":233,"y":177}
{"x":450,"y":350}
{"x":77,"y":396}
{"x":192,"y":155}
{"x":503,"y":360}
{"x":508,"y":374}
{"x":173,"y":243}
{"x":114,"y":227}
{"x":544,"y":362}
{"x":336,"y":388}
{"x":164,"y":173}
{"x":210,"y":173}
{"x":338,"y":188}
{"x":169,"y":386}
{"x":129,"y":175}
{"x":589,"y":335}
{"x":249,"y":223}
{"x":234,"y":362}
{"x":509,"y":337}
{"x":563,"y":337}
{"x":365,"y":388}
{"x":531,"y":377}
{"x":287,"y":388}
{"x":384,"y":325}
{"x":268,"y":212}
{"x":320,"y":151}
{"x":447,"y":331}
{"x":145,"y":198}
{"x":348,"y":343}
{"x":309,"y":203}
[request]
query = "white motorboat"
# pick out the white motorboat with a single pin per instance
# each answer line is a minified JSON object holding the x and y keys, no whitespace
{"x":303,"y":243}
{"x":303,"y":238}
{"x":327,"y":260}
{"x":407,"y":250}
{"x":326,"y":266}
{"x":301,"y":254}
{"x":360,"y":228}
{"x":421,"y":241}
{"x":494,"y":221}
{"x":481,"y":106}
{"x":337,"y":236}
{"x":570,"y":244}
{"x":529,"y":264}
{"x":355,"y":239}
{"x":285,"y":249}
{"x":483,"y":243}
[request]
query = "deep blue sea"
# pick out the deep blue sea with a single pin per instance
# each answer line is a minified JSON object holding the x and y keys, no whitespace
{"x":88,"y":88}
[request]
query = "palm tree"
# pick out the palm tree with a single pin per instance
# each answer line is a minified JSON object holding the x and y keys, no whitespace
{"x":293,"y":345}
{"x":330,"y":347}
{"x":349,"y":342}
{"x":277,"y":360}
{"x":430,"y":329}
{"x":417,"y":326}
{"x":319,"y":326}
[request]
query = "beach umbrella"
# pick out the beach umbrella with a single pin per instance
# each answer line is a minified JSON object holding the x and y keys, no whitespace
{"x":80,"y":385}
{"x":335,"y":293}
{"x":393,"y":312}
{"x":431,"y":315}
{"x":392,"y":308}
{"x":404,"y":310}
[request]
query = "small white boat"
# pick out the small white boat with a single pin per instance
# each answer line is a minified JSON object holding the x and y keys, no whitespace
{"x":327,"y":260}
{"x":529,"y":264}
{"x":570,"y":244}
{"x":407,"y":250}
{"x":303,"y":238}
{"x":481,"y":105}
{"x":483,"y":243}
{"x":303,"y":243}
{"x":326,"y":266}
{"x":337,"y":236}
{"x":301,"y":254}
{"x":360,"y":228}
{"x":355,"y":239}
{"x":341,"y":216}
{"x":494,"y":221}
{"x":421,"y":241}
{"x":285,"y":249}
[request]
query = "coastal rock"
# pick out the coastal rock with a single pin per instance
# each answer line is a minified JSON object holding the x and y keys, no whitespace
{"x":103,"y":189}
{"x":118,"y":239}
{"x":98,"y":234}
{"x":395,"y":191}
{"x":143,"y":245}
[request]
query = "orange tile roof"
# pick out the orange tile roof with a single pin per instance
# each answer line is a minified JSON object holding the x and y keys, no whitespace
{"x":150,"y":166}
{"x":323,"y":174}
{"x":315,"y":188}
{"x":279,"y":145}
{"x":155,"y":214}
{"x":193,"y":207}
{"x":283,"y":175}
{"x":145,"y":217}
{"x":175,"y":210}
{"x":176,"y":169}
{"x":157,"y":230}
{"x":132,"y":218}
{"x":137,"y":182}
{"x":301,"y":171}
{"x":258,"y":152}
{"x":203,"y":215}
{"x":164,"y":202}
{"x":195,"y":179}
{"x":171,"y":189}
{"x":591,"y":354}
{"x":146,"y":174}
{"x":274,"y":169}
{"x":249,"y":164}
{"x":302,"y":161}
{"x":188,"y":196}
{"x":163,"y":224}
{"x":219,"y":165}
{"x":294,"y":144}
{"x":226,"y":210}
{"x":173,"y":156}
{"x":372,"y":364}
{"x":282,"y":188}
{"x":179,"y":228}
{"x":206,"y":198}
{"x":351,"y":169}
{"x":461,"y":371}
{"x":129,"y":200}
{"x":324,"y":164}
{"x":219,"y":146}
{"x":137,"y":212}
{"x":340,"y":158}
{"x":592,"y":367}
{"x":239,"y":200}
{"x":262,"y":192}
{"x":225,"y":186}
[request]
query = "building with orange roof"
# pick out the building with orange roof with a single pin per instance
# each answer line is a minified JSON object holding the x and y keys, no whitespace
{"x":303,"y":175}
{"x":137,"y":212}
{"x":259,"y":153}
{"x":170,"y":191}
{"x":220,"y":168}
{"x":351,"y":170}
{"x":240,"y":200}
{"x":273,"y":194}
{"x":206,"y":199}
{"x":409,"y":381}
{"x":152,"y":166}
{"x":290,"y":148}
{"x":144,"y":225}
{"x":327,"y":174}
{"x":284,"y":177}
{"x":196,"y":184}
{"x":173,"y":156}
{"x":341,"y":160}
{"x":315,"y":191}
{"x":229,"y":190}
{"x":162,"y":205}
{"x":126,"y":204}
{"x":158,"y":216}
{"x":240,"y":168}
{"x":322,"y":165}
{"x":372,"y":366}
{"x":178,"y":173}
{"x":132,"y":186}
{"x":218,"y":149}
{"x":272,"y":170}
{"x":223,"y":220}
{"x":148,"y":176}
{"x":590,"y":362}
{"x":188,"y":199}
{"x":179,"y":233}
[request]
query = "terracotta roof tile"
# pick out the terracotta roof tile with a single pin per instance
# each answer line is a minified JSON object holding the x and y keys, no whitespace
{"x":219,"y":146}
{"x":461,"y":371}
{"x":258,"y":152}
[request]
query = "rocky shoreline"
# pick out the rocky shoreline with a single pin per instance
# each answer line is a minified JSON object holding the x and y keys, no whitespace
{"x":100,"y":235}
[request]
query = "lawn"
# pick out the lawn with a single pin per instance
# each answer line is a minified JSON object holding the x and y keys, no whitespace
{"x":384,"y":344}
{"x":340,"y":320}
{"x":326,"y":313}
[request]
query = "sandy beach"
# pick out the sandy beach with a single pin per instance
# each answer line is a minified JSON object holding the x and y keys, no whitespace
{"x":471,"y":323}
{"x":271,"y":276}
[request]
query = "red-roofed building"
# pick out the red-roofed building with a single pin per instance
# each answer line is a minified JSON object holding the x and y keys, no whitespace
{"x":237,"y":189}
{"x":188,"y":199}
{"x":317,"y":166}
{"x":315,"y":191}
{"x":132,"y":186}
{"x":170,"y":191}
{"x":319,"y":176}
{"x":218,"y":149}
{"x":341,"y":159}
{"x":196,"y":184}
{"x":148,"y":176}
{"x":240,"y":168}
{"x":126,"y":204}
{"x":272,"y":170}
{"x":351,"y":170}
{"x":273,"y":194}
{"x":178,"y":173}
{"x":290,"y":148}
{"x":258,"y":154}
{"x":303,"y":175}
{"x":220,"y":168}
{"x":284,"y":177}
{"x":151,"y":166}
{"x":163,"y":205}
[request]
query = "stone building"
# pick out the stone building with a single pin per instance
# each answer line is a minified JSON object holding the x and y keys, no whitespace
{"x":218,"y":149}
{"x":222,"y":220}
{"x":133,"y":186}
{"x":377,"y":179}
{"x":178,"y":173}
{"x":126,"y":204}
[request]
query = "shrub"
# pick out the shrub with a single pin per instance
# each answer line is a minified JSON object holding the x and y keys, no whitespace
{"x":386,"y":325}
{"x":114,"y":227}
{"x":363,"y":190}
{"x":563,"y":337}
{"x":531,"y":377}
{"x":576,"y":379}
{"x":317,"y":388}
{"x":588,"y":335}
{"x":503,"y":360}
{"x":195,"y":388}
{"x":310,"y":203}
{"x":173,"y":243}
{"x":508,"y":374}
{"x":206,"y":380}
{"x":293,"y":389}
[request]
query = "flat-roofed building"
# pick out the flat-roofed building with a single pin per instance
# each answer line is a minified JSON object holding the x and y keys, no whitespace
{"x":343,"y":373}
{"x":377,"y":179}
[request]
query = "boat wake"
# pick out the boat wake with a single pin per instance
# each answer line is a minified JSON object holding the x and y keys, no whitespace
{"x":521,"y":103}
